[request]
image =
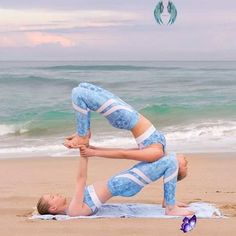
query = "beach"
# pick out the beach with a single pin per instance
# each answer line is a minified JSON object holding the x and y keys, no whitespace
{"x":191,"y":103}
{"x":211,"y":179}
{"x":173,"y":63}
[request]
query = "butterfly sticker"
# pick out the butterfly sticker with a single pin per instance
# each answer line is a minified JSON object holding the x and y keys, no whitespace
{"x":188,"y":224}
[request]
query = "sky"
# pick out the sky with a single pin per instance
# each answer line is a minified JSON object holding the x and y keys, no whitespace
{"x":116,"y":30}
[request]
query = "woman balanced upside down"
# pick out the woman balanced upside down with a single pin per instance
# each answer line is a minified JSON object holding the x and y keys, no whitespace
{"x":88,"y":97}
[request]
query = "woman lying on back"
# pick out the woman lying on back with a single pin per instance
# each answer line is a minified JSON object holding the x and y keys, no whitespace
{"x":88,"y":199}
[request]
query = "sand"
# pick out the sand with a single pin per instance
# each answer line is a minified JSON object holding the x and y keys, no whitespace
{"x":212,"y":178}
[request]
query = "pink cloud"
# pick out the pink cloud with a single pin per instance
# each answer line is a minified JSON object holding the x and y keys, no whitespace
{"x":7,"y":42}
{"x":37,"y":38}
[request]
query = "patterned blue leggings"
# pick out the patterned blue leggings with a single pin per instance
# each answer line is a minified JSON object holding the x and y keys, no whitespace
{"x":131,"y":181}
{"x":88,"y":97}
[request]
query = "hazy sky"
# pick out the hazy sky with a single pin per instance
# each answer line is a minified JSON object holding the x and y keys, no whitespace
{"x":116,"y":30}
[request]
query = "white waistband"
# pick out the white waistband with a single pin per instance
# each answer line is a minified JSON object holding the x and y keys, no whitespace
{"x":145,"y":135}
{"x":94,"y":196}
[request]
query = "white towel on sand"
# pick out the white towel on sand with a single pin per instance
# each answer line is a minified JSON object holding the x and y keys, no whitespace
{"x":137,"y":210}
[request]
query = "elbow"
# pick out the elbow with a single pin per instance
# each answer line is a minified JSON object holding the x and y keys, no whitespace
{"x":74,"y":95}
{"x":73,"y":214}
{"x":156,"y":155}
{"x":123,"y":154}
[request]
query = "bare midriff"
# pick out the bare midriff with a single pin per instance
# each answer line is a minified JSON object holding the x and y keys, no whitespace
{"x":142,"y":125}
{"x":102,"y":191}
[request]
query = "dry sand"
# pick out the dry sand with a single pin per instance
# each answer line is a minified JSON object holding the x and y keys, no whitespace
{"x":212,"y":178}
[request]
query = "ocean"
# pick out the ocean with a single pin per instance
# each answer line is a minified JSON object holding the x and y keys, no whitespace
{"x":192,"y":103}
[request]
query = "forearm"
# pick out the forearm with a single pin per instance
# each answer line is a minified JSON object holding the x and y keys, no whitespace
{"x":111,"y":149}
{"x":82,"y":170}
{"x":148,"y":155}
{"x":76,"y":205}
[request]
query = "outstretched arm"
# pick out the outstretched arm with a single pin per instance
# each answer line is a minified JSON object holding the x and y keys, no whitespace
{"x":103,"y":148}
{"x":148,"y":154}
{"x":76,"y":206}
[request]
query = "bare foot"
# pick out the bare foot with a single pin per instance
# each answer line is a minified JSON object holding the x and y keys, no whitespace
{"x":76,"y":141}
{"x":178,"y":211}
{"x":179,"y":204}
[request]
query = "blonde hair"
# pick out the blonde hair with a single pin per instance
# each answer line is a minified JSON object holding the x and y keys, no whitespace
{"x":43,"y":207}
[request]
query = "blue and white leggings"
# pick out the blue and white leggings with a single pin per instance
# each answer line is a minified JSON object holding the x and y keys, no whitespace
{"x":88,"y":97}
{"x":131,"y":181}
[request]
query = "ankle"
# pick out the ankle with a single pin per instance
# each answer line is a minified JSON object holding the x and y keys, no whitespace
{"x":170,"y":207}
{"x":82,"y":140}
{"x":86,"y":137}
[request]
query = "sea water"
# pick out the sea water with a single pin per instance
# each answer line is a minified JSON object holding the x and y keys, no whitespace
{"x":192,"y":103}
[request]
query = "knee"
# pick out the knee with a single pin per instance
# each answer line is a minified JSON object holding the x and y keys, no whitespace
{"x":77,"y":95}
{"x":172,"y":161}
{"x":160,"y":153}
{"x":157,"y":155}
{"x":74,"y":93}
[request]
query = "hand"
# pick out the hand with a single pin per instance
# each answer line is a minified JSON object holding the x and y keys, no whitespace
{"x":92,"y":147}
{"x":86,"y":152}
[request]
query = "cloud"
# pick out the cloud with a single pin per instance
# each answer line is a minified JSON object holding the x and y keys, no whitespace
{"x":6,"y":41}
{"x":39,"y":20}
{"x":33,"y":39}
{"x":74,"y":4}
{"x":66,"y":28}
{"x":37,"y":38}
{"x":117,"y":29}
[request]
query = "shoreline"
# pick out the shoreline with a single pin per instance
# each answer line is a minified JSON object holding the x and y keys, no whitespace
{"x":210,"y":154}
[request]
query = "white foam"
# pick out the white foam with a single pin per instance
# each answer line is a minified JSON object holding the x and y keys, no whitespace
{"x":210,"y":136}
{"x":7,"y":129}
{"x":32,"y":149}
{"x":211,"y":130}
{"x":11,"y":129}
{"x":55,"y":149}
